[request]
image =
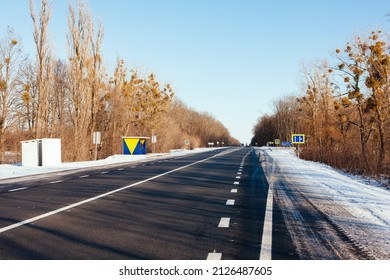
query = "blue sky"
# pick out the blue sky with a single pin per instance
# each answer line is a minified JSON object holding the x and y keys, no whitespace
{"x":228,"y":58}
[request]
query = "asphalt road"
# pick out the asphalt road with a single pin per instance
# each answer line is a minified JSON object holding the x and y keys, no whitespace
{"x":177,"y":208}
{"x":210,"y":205}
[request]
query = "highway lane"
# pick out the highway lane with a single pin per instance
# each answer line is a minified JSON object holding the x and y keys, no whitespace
{"x":208,"y":205}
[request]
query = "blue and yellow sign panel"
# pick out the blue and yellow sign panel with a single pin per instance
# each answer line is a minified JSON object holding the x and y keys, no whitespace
{"x":134,"y":145}
{"x":298,"y":138}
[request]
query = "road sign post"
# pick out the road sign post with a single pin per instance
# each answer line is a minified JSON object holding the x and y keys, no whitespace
{"x":298,"y":139}
{"x":154,"y":141}
{"x":96,"y":140}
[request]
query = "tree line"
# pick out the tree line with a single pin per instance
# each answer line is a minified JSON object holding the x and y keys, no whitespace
{"x":72,"y":98}
{"x":343,"y":109}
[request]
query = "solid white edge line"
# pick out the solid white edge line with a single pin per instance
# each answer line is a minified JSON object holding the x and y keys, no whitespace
{"x":266,"y":240}
{"x":51,"y":213}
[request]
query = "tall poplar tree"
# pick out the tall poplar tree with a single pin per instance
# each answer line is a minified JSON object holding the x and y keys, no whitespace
{"x":44,"y":65}
{"x":85,"y":75}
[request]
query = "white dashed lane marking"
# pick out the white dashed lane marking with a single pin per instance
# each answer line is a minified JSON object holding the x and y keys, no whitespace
{"x":224,"y":223}
{"x":55,"y":182}
{"x":230,"y":202}
{"x":214,"y":256}
{"x":19,"y":189}
{"x":95,"y":198}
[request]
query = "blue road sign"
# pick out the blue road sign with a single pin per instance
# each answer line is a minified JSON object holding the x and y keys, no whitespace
{"x":298,"y":138}
{"x":286,"y":144}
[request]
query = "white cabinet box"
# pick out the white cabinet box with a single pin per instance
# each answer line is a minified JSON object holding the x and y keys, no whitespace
{"x":41,"y":152}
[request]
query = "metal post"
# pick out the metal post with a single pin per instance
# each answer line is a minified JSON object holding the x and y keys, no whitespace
{"x":96,"y":141}
{"x":96,"y":151}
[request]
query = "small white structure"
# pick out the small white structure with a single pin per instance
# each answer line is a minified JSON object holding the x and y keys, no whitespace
{"x":41,"y":152}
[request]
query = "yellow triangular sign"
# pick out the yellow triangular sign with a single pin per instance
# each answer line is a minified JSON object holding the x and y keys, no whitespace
{"x":131,"y":144}
{"x":142,"y":144}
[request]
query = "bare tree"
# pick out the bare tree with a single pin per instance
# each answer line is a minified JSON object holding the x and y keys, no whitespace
{"x":29,"y":98}
{"x":317,"y":110}
{"x":85,"y":75}
{"x":117,"y":107}
{"x":353,"y":68}
{"x":10,"y":65}
{"x":96,"y":73}
{"x":59,"y":100}
{"x":378,"y":82}
{"x":199,"y":128}
{"x":44,"y":65}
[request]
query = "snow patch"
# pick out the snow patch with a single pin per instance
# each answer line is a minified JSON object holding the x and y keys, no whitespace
{"x":17,"y":170}
{"x":365,"y":203}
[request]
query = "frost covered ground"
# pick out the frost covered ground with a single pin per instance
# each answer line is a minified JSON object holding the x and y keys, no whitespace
{"x":359,"y":207}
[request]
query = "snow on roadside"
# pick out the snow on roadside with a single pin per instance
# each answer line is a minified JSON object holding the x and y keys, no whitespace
{"x":17,"y":170}
{"x":366,"y":205}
